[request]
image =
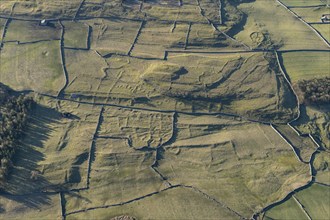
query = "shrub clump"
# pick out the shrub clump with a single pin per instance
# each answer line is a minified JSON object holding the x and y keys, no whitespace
{"x":316,"y":91}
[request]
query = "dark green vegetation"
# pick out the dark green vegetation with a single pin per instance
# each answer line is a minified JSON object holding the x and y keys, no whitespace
{"x":13,"y":117}
{"x":162,"y":109}
{"x":316,"y":91}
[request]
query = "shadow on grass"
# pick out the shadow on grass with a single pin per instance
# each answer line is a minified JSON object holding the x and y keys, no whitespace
{"x":20,"y":187}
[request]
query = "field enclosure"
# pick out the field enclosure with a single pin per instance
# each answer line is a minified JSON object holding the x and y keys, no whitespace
{"x":161,"y":109}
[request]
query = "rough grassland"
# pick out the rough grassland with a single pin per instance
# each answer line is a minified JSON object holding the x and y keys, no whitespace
{"x":113,"y":36}
{"x":120,"y":170}
{"x":46,"y":8}
{"x":141,"y":128}
{"x":321,"y":164}
{"x":188,"y":13}
{"x":306,"y":65}
{"x":171,"y":204}
{"x":282,"y":28}
{"x":316,"y":122}
{"x":32,"y":66}
{"x":76,"y":35}
{"x":85,"y":70}
{"x":236,"y":165}
{"x":305,"y":145}
{"x":157,"y":37}
{"x":55,"y":147}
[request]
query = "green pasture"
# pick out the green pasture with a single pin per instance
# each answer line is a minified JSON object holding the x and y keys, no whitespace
{"x":32,"y":66}
{"x":314,"y":199}
{"x":288,"y":210}
{"x":313,"y":14}
{"x":303,"y":2}
{"x":324,"y":30}
{"x":306,"y":65}
{"x":24,"y":31}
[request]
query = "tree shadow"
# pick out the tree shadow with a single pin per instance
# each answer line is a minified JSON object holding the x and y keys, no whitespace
{"x":25,"y":183}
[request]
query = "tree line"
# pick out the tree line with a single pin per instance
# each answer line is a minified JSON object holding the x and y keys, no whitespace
{"x":316,"y":91}
{"x":13,"y":117}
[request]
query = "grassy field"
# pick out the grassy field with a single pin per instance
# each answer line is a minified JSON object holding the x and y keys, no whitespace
{"x":280,"y":28}
{"x":76,"y":35}
{"x":312,"y":14}
{"x":316,"y":201}
{"x":23,"y":31}
{"x":234,"y":157}
{"x":85,"y":70}
{"x":306,"y":65}
{"x":172,"y":204}
{"x":324,"y":30}
{"x":160,"y":148}
{"x":302,"y":2}
{"x":32,"y":66}
{"x":288,"y":210}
